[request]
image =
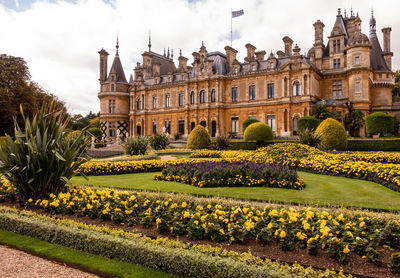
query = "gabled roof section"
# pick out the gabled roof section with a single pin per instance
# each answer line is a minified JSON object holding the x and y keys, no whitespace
{"x":118,"y":70}
{"x":339,"y":28}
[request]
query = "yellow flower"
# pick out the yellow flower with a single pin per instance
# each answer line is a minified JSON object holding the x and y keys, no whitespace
{"x":282,"y":234}
{"x":222,"y":231}
{"x":270,"y":225}
{"x":184,"y":205}
{"x":306,"y":226}
{"x":346,"y":249}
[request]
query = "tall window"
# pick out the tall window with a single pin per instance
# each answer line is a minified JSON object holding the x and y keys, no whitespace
{"x":271,"y":122}
{"x":336,"y":63}
{"x":234,"y":94}
{"x":358,"y":87}
{"x":181,"y":99}
{"x":202,"y":96}
{"x":168,"y":127}
{"x":139,"y":104}
{"x":112,"y":87}
{"x":336,"y":46}
{"x":111,"y":128}
{"x":357,"y":60}
{"x":235,"y":124}
{"x":337,"y":89}
{"x":154,"y":127}
{"x":271,"y":65}
{"x":167,"y":101}
{"x":252,"y":92}
{"x":192,"y":98}
{"x":213,"y":96}
{"x":296,"y":88}
{"x":111,"y":106}
{"x":270,"y":90}
{"x":181,"y":127}
{"x":154,"y":102}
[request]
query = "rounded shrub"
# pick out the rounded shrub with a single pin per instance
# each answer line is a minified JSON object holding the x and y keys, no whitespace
{"x":258,"y":132}
{"x":248,"y":122}
{"x":333,"y":135}
{"x":379,"y":122}
{"x":198,"y":138}
{"x":96,"y":132}
{"x":307,"y":122}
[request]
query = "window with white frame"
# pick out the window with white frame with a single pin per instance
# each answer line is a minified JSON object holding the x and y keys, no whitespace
{"x":271,"y":121}
{"x":357,"y":60}
{"x":270,"y":88}
{"x":296,"y":88}
{"x":252,"y":92}
{"x":337,"y":89}
{"x":181,"y":99}
{"x":111,"y":106}
{"x":234,"y":94}
{"x":235,"y":124}
{"x":167,"y":100}
{"x":203,"y":96}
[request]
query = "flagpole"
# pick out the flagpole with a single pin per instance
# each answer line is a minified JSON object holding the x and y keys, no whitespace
{"x":231,"y":27}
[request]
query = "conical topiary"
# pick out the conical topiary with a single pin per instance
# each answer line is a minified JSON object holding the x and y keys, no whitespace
{"x":198,"y":138}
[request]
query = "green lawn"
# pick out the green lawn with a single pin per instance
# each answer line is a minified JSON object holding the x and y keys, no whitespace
{"x":320,"y":189}
{"x":75,"y":257}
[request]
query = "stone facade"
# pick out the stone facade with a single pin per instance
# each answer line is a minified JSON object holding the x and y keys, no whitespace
{"x":219,"y":92}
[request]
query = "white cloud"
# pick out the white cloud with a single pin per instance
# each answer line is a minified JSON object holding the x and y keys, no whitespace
{"x":60,"y":40}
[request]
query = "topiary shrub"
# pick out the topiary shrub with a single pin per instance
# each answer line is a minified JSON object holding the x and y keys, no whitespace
{"x":43,"y":157}
{"x":307,"y":122}
{"x":248,"y":122}
{"x":198,"y":138}
{"x":258,"y":132}
{"x":333,"y":135}
{"x":136,"y":145}
{"x":159,"y":141}
{"x":379,"y":123}
{"x":96,"y":132}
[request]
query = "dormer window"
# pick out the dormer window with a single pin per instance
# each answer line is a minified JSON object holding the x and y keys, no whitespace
{"x":183,"y":77}
{"x":336,"y":63}
{"x":112,"y":78}
{"x":202,"y":69}
{"x":336,"y":46}
{"x":271,"y":65}
{"x":112,"y":87}
{"x":253,"y":67}
{"x":236,"y":70}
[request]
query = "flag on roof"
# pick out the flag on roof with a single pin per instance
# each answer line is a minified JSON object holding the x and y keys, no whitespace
{"x":237,"y":13}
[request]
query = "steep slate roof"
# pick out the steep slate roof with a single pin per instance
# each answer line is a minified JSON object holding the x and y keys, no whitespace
{"x":166,"y":64}
{"x":118,"y":70}
{"x":378,"y":63}
{"x":219,"y":62}
{"x":339,"y":24}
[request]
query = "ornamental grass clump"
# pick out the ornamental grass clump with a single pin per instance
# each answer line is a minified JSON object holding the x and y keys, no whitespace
{"x":43,"y":156}
{"x":136,"y":145}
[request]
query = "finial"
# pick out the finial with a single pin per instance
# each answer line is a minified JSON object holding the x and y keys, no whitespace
{"x":357,"y":14}
{"x":168,"y":52}
{"x":180,"y":52}
{"x":351,"y":11}
{"x":117,"y":46}
{"x":345,"y":13}
{"x":149,"y":45}
{"x":172,"y":54}
{"x":338,"y":11}
{"x":164,"y":51}
{"x":202,"y":43}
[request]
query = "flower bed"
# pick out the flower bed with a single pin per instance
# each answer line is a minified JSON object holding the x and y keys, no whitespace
{"x":241,"y":173}
{"x":163,"y":254}
{"x":307,"y":228}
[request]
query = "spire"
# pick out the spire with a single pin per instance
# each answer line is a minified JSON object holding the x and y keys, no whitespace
{"x":372,"y":25}
{"x":149,"y":45}
{"x":338,"y":12}
{"x":180,"y":52}
{"x":117,"y":46}
{"x":164,"y":51}
{"x":168,"y":52}
{"x":351,"y":12}
{"x":172,"y":54}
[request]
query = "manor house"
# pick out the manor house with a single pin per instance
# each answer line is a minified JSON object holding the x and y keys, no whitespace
{"x":348,"y":71}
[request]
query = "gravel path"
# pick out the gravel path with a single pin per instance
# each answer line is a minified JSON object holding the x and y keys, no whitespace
{"x":15,"y":263}
{"x":167,"y":157}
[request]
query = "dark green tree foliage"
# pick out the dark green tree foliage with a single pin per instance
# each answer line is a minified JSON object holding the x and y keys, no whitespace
{"x":321,"y":113}
{"x":396,"y":88}
{"x":354,"y":121}
{"x":248,"y":122}
{"x":307,"y":122}
{"x":379,"y":123}
{"x":79,"y":122}
{"x":43,"y":157}
{"x":96,"y":132}
{"x":16,"y":88}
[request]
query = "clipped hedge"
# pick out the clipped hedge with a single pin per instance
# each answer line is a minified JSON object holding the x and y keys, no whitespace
{"x":198,"y":138}
{"x":379,"y":122}
{"x":252,"y":145}
{"x":248,"y":122}
{"x":186,"y":262}
{"x":381,"y":144}
{"x":258,"y":132}
{"x":307,"y":122}
{"x":333,"y":135}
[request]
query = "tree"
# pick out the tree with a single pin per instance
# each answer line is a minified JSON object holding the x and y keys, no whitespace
{"x":320,"y":112}
{"x":79,"y":122}
{"x":354,"y":121}
{"x":17,"y":88}
{"x":396,"y":88}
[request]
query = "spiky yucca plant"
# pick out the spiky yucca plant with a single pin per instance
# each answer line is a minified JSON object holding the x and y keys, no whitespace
{"x":43,"y":156}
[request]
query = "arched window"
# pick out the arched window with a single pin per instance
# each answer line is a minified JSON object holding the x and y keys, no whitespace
{"x":213,"y":96}
{"x":139,"y":104}
{"x":202,"y":96}
{"x":192,"y":98}
{"x":296,"y":88}
{"x":167,"y":100}
{"x":203,"y":123}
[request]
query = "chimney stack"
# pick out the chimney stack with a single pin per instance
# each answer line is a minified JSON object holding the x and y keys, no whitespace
{"x":260,"y":55}
{"x":288,"y":45}
{"x":230,"y":56}
{"x":387,"y":54}
{"x":103,"y":65}
{"x":250,"y":52}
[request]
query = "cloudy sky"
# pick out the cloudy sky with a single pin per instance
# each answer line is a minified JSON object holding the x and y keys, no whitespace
{"x":60,"y":39}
